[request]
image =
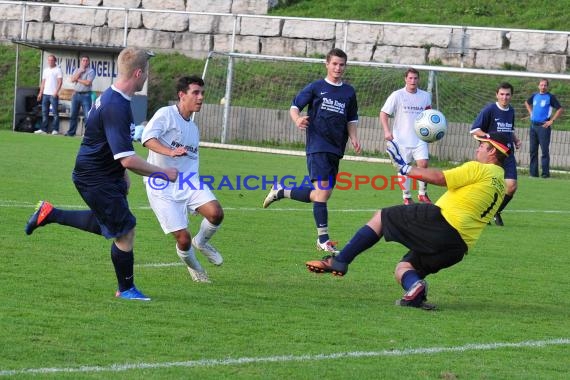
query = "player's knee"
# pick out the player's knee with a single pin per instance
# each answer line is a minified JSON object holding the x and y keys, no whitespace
{"x":321,"y":193}
{"x":183,"y":240}
{"x":402,"y":268}
{"x":216,"y":217}
{"x":376,"y":222}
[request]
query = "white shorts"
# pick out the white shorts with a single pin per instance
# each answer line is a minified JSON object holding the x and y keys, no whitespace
{"x":173,"y":215}
{"x":419,"y":152}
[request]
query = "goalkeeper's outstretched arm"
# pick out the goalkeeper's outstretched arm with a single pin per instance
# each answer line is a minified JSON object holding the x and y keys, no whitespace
{"x":429,"y":175}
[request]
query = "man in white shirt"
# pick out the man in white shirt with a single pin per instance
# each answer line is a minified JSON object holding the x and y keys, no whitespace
{"x":404,"y":105}
{"x":52,"y":79}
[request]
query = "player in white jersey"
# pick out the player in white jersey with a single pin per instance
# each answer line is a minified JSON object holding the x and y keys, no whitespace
{"x":404,"y":105}
{"x":173,"y":138}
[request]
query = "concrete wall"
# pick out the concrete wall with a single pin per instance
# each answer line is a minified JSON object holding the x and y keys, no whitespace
{"x":194,"y":28}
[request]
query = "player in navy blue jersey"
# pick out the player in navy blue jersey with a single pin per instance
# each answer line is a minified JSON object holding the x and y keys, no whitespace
{"x":100,"y":174}
{"x":332,"y":118}
{"x":500,"y":117}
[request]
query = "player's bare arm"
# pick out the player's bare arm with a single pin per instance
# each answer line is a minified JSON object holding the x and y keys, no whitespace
{"x":385,"y":121}
{"x":478,"y":132}
{"x":353,"y":135}
{"x":59,"y":84}
{"x":528,"y":108}
{"x":156,"y":146}
{"x":429,"y":175}
{"x":137,"y":165}
{"x":518,"y":142}
{"x":302,"y":122}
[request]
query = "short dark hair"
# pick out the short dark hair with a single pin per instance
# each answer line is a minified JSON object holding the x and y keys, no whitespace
{"x":336,"y":52}
{"x":505,"y":85}
{"x":184,"y":82}
{"x":501,"y":157}
{"x":411,"y":70}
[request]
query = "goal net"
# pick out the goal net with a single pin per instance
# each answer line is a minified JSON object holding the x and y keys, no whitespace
{"x":248,"y":99}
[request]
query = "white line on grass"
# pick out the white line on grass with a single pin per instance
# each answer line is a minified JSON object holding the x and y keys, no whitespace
{"x":159,"y":265}
{"x":287,"y":358}
{"x":16,"y":204}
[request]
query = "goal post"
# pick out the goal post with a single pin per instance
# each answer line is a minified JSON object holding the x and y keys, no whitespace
{"x":248,"y":97}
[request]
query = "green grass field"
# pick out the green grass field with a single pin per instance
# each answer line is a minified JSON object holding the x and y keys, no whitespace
{"x":502,"y":312}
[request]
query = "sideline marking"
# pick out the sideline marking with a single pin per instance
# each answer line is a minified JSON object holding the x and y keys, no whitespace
{"x":16,"y":204}
{"x":287,"y":358}
{"x":159,"y":265}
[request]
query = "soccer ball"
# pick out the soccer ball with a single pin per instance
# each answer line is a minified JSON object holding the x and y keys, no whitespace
{"x":430,"y":125}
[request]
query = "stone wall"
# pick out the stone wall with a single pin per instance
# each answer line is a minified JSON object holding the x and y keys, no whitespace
{"x":196,"y":27}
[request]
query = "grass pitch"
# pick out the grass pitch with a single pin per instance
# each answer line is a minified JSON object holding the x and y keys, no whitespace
{"x":503,"y":311}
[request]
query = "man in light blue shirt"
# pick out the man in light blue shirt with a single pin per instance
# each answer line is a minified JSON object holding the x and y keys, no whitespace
{"x":540,"y":106}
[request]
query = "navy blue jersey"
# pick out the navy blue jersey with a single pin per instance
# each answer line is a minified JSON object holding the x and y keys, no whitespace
{"x":330,"y":109}
{"x":108,"y":137}
{"x":493,"y":119}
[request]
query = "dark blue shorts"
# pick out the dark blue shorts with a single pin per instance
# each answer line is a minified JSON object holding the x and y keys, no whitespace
{"x":109,"y":204}
{"x":433,"y":243}
{"x":510,"y":167}
{"x":323,"y":167}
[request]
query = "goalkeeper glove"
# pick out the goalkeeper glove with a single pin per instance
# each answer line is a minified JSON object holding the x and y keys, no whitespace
{"x":397,"y":159}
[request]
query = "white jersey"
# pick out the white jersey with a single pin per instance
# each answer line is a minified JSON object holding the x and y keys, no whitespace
{"x":405,"y":107}
{"x":171,"y":130}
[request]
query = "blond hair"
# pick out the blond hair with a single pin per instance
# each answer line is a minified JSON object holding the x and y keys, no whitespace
{"x":131,"y":59}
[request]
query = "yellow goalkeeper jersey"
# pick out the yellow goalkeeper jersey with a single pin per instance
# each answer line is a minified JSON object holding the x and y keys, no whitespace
{"x":474,"y":193}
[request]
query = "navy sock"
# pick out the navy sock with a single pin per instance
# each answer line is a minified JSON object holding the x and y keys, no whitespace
{"x":302,"y":195}
{"x":84,"y":220}
{"x":124,"y":267}
{"x":409,"y":278}
{"x":321,"y":214}
{"x":363,"y":239}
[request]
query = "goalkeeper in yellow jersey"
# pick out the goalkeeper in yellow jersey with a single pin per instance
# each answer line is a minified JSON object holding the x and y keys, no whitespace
{"x":437,"y":235}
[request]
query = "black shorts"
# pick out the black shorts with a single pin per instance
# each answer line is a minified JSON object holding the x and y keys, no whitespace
{"x":433,"y":243}
{"x":109,"y":204}
{"x":323,"y":167}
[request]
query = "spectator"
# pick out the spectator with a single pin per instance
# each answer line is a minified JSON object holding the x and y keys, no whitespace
{"x":52,"y":79}
{"x":82,"y":79}
{"x":540,"y":106}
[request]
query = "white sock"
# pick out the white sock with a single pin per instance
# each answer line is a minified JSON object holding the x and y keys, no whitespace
{"x":422,"y":188}
{"x":207,"y":230}
{"x":189,"y":258}
{"x":406,"y":191}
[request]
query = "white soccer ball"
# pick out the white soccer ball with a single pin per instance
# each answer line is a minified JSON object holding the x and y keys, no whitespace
{"x":430,"y":125}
